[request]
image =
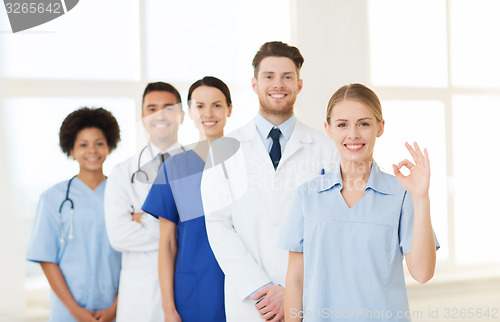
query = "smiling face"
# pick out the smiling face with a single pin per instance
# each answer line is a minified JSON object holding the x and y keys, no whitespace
{"x":277,"y":85}
{"x":354,"y":128}
{"x":161,"y":116}
{"x":209,"y":110}
{"x":90,"y":149}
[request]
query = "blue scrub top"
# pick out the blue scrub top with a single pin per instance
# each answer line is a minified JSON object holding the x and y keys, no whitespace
{"x":198,"y":280}
{"x":352,"y":256}
{"x":89,"y":265}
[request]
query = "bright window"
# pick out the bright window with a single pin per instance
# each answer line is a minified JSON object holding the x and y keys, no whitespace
{"x":428,"y":60}
{"x":81,"y":44}
{"x":405,"y":122}
{"x":475,"y":159}
{"x":408,"y":43}
{"x":36,"y":160}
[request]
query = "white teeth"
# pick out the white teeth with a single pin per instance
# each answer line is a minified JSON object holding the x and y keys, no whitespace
{"x":353,"y":147}
{"x":277,"y":95}
{"x":209,"y":123}
{"x":160,"y":126}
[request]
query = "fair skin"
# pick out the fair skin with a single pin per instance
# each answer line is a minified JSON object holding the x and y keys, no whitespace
{"x":277,"y":84}
{"x":90,"y":150}
{"x":208,"y":110}
{"x":161,"y":116}
{"x":354,"y":128}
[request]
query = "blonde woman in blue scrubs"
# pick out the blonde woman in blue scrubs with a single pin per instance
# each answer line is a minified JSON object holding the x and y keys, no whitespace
{"x":348,"y":230}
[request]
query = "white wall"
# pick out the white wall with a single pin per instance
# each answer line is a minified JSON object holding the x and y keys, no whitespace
{"x":332,"y":35}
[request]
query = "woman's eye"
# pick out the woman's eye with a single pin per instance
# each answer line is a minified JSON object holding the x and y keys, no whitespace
{"x":83,"y":145}
{"x":199,"y":106}
{"x":365,"y":124}
{"x":100,"y":143}
{"x":218,"y":105}
{"x":342,"y":125}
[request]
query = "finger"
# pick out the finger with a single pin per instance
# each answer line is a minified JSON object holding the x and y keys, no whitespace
{"x":405,"y":163}
{"x":397,"y":173}
{"x":276,"y":318}
{"x":412,"y":151}
{"x":266,"y":313}
{"x":427,"y":161}
{"x":261,"y":304}
{"x":419,"y":152}
{"x":260,"y":293}
{"x":268,"y":316}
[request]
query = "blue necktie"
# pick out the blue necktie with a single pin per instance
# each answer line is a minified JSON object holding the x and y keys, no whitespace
{"x":275,"y":152}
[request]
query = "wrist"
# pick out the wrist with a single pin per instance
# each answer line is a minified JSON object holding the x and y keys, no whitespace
{"x":169,"y":308}
{"x":423,"y":198}
{"x":73,"y":307}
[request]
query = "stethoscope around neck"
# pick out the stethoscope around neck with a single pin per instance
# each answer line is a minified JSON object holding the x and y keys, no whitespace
{"x":139,"y":171}
{"x":72,"y":209}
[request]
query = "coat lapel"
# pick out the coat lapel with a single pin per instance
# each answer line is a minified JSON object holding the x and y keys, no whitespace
{"x":299,"y":137}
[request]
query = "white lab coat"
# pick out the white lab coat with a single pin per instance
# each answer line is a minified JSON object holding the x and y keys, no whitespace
{"x":244,"y":235}
{"x":139,"y":296}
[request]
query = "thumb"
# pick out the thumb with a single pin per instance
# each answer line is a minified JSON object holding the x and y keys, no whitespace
{"x":397,"y":173}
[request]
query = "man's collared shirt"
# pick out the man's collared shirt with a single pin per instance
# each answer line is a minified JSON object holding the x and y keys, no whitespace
{"x":264,"y":127}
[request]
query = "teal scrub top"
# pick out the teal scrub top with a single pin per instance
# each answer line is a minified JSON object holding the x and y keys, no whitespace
{"x":198,"y":278}
{"x":89,"y":265}
{"x":352,"y":256}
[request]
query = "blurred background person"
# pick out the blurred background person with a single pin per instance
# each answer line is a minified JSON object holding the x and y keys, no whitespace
{"x":69,"y":239}
{"x":130,"y":231}
{"x":192,"y":283}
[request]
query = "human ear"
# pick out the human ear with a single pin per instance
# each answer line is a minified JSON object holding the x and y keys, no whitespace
{"x":182,"y":117}
{"x":328,"y":130}
{"x":299,"y":85}
{"x":254,"y":84}
{"x":381,"y":125}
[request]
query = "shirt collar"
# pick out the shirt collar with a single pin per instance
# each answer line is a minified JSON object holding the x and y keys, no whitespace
{"x":264,"y":126}
{"x":376,"y":182}
{"x":174,"y":147}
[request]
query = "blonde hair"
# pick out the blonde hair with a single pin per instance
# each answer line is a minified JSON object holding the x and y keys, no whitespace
{"x":356,"y":92}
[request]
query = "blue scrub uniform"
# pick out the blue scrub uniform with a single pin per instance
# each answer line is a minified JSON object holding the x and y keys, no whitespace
{"x":89,"y":265}
{"x":352,"y":256}
{"x":198,"y":280}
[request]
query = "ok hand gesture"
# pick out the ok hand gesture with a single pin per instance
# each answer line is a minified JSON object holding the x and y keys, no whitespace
{"x":417,"y":182}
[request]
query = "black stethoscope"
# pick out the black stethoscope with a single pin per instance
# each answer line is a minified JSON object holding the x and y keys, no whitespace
{"x":139,"y":171}
{"x":72,"y":207}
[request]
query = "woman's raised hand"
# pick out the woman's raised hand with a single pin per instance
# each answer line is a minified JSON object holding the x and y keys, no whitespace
{"x":417,"y":182}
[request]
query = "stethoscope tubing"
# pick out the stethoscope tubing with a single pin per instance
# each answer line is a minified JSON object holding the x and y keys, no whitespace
{"x":72,"y":208}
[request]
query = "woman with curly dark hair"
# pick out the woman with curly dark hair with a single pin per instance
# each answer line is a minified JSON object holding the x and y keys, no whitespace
{"x":69,"y":238}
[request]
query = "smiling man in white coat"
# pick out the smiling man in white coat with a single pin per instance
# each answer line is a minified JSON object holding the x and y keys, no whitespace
{"x":130,"y":231}
{"x":245,"y":211}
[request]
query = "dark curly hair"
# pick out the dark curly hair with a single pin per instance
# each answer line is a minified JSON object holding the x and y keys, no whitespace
{"x":86,"y":118}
